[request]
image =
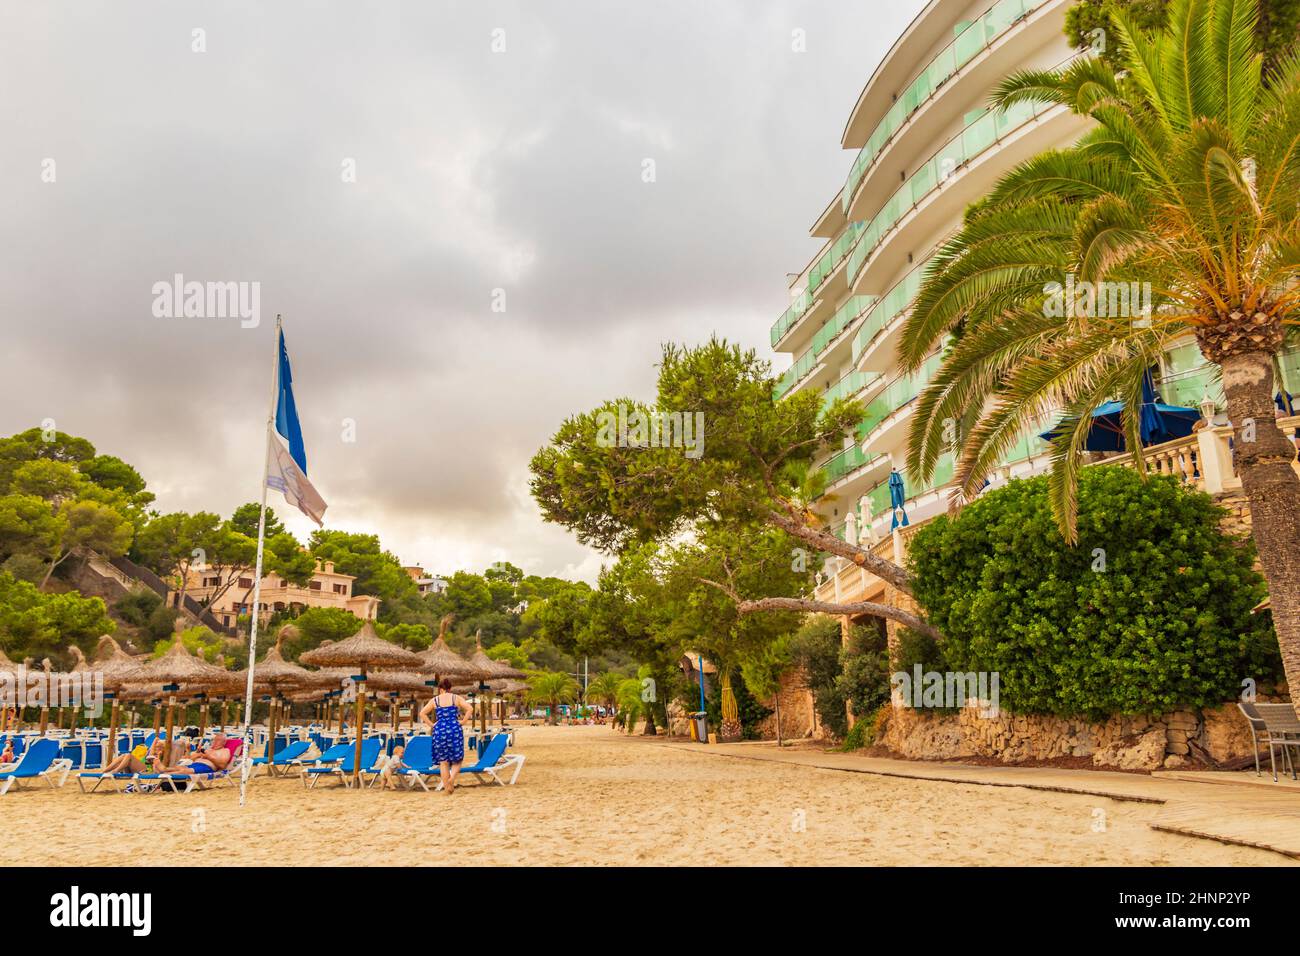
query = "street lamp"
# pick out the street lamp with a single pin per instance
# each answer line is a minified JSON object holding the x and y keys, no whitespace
{"x":1208,"y":409}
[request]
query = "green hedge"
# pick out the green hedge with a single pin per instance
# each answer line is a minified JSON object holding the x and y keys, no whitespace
{"x":1166,"y":624}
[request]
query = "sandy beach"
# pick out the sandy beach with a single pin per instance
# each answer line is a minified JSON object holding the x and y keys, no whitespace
{"x":589,"y":796}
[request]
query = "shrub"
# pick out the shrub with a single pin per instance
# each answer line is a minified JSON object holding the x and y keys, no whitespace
{"x":136,"y":607}
{"x":1149,"y":612}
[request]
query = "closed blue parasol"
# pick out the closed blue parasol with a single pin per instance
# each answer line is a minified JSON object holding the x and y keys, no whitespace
{"x":1157,"y":422}
{"x":896,"y":498}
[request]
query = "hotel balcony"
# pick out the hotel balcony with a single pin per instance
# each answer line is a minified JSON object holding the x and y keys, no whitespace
{"x":932,"y":201}
{"x":1007,"y":36}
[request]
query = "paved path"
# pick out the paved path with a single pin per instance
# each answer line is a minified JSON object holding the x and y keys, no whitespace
{"x":1233,"y":808}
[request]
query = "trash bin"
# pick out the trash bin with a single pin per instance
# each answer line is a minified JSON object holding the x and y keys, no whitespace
{"x":700,"y":727}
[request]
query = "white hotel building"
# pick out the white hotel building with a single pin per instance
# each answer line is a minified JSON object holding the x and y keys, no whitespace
{"x":927,"y":146}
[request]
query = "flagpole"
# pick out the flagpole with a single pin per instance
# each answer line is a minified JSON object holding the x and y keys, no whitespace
{"x":246,"y":752}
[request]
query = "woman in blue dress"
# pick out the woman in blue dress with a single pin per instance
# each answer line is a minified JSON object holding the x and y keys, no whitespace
{"x":448,"y":738}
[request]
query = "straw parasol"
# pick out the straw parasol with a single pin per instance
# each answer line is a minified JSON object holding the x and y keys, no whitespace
{"x":8,"y":667}
{"x":118,"y":670}
{"x":488,"y":670}
{"x":364,"y":650}
{"x":179,"y":666}
{"x":275,"y":672}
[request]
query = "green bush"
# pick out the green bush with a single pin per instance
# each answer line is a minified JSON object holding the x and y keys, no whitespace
{"x":1149,"y":612}
{"x":136,"y":607}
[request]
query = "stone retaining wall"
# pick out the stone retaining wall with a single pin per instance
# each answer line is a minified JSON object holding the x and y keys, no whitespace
{"x":1126,"y":743}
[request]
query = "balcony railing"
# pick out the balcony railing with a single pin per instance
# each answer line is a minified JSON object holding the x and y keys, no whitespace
{"x":795,"y":373}
{"x":890,"y":306}
{"x":844,"y":316}
{"x":803,"y":301}
{"x":976,"y":37}
{"x":898,"y":393}
{"x":849,"y":385}
{"x":974,"y":139}
{"x":846,"y":462}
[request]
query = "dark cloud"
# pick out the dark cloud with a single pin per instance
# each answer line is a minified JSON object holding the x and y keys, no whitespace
{"x":475,"y":171}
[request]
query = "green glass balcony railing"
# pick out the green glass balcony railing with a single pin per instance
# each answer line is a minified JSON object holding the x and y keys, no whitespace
{"x":845,"y":463}
{"x":972,"y":39}
{"x":844,"y":316}
{"x":973,"y":140}
{"x":802,"y":366}
{"x":833,"y":256}
{"x":898,"y":393}
{"x":790,"y":316}
{"x":889,"y":307}
{"x":848,"y":386}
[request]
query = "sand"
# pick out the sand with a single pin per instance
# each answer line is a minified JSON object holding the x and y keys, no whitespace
{"x":590,"y":796}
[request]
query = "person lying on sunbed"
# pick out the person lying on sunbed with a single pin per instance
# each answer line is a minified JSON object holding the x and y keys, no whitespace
{"x":137,"y":761}
{"x":7,"y":755}
{"x":211,"y":759}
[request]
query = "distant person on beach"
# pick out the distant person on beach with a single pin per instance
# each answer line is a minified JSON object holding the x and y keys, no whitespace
{"x":206,"y":759}
{"x":448,"y":737}
{"x":391,"y":766}
{"x":134,"y":762}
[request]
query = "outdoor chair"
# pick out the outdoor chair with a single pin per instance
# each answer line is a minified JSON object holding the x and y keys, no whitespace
{"x":1276,"y":726}
{"x":493,"y":763}
{"x":40,"y":760}
{"x":283,"y":758}
{"x":370,"y":750}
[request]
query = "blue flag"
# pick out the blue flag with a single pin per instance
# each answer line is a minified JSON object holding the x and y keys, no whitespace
{"x":286,"y":411}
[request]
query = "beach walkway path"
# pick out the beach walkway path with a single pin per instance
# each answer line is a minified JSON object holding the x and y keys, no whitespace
{"x":1235,"y":808}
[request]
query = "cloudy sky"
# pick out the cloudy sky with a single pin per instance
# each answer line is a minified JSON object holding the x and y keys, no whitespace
{"x":136,"y":148}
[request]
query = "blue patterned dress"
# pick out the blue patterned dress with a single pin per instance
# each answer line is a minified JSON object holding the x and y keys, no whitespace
{"x":448,"y":738}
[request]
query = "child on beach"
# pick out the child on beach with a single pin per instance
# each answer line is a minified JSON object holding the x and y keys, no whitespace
{"x":391,"y":766}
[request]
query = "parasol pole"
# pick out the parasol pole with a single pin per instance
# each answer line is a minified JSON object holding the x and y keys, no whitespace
{"x":257,"y":573}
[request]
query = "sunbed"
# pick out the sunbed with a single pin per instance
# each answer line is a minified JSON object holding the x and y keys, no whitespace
{"x":494,"y":763}
{"x":40,"y":760}
{"x":331,"y":756}
{"x":285,"y":758}
{"x":370,"y":752}
{"x":418,"y":758}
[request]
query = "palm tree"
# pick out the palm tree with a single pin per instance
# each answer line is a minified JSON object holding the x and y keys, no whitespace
{"x":629,"y":700}
{"x":604,"y":689}
{"x":1188,"y":180}
{"x":552,"y":688}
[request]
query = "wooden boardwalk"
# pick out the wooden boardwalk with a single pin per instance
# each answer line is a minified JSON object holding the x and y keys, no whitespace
{"x":1234,"y":808}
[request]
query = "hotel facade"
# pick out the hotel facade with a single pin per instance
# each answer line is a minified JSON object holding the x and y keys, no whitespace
{"x":927,"y":147}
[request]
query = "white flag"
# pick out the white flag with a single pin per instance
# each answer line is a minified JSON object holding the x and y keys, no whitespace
{"x":285,"y":476}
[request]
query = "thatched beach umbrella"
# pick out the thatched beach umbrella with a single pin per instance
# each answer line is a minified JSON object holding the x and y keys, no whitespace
{"x":364,"y":650}
{"x":8,"y":667}
{"x":280,"y":675}
{"x":178,"y":666}
{"x":118,"y":669}
{"x":488,"y":670}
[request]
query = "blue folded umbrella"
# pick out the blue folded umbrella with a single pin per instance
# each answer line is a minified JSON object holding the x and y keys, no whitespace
{"x":1157,"y":422}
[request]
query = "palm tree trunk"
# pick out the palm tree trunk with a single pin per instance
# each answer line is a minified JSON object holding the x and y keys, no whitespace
{"x":1264,"y":459}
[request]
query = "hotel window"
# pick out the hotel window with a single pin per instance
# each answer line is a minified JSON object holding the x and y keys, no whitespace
{"x":340,"y":589}
{"x":212,"y":582}
{"x":314,"y":585}
{"x":245,"y":583}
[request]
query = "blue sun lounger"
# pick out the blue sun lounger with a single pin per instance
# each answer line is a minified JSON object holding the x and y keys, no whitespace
{"x":418,"y":758}
{"x":40,"y":760}
{"x":330,"y":757}
{"x":494,"y":763}
{"x":289,"y":756}
{"x":370,"y":751}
